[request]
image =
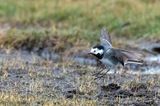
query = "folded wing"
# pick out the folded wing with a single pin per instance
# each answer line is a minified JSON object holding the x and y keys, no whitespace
{"x":127,"y":57}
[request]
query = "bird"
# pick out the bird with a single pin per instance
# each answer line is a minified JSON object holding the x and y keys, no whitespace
{"x":110,"y":56}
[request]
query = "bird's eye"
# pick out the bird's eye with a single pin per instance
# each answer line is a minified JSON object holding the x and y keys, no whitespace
{"x":94,"y":51}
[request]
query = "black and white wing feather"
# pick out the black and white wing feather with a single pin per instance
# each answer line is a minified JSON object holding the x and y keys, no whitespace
{"x":105,"y":39}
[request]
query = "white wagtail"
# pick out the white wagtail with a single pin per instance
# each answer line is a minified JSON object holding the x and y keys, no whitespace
{"x":110,"y":56}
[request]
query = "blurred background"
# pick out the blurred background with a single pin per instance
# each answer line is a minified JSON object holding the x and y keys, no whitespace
{"x":42,"y":44}
{"x":62,"y":24}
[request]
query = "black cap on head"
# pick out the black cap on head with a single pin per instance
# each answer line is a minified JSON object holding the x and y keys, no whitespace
{"x":100,"y":47}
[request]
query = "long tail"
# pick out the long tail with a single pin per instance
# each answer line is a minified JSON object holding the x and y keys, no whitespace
{"x":134,"y":62}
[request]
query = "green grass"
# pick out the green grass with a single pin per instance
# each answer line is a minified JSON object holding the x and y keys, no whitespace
{"x":83,"y":19}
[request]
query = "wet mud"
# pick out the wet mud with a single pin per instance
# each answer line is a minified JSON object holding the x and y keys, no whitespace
{"x":49,"y":76}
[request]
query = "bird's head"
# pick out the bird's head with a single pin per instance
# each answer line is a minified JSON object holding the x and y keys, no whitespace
{"x":97,"y":51}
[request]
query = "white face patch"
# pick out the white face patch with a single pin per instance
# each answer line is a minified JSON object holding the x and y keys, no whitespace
{"x":96,"y":51}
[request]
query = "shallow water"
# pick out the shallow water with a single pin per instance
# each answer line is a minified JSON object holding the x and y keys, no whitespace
{"x":152,"y":63}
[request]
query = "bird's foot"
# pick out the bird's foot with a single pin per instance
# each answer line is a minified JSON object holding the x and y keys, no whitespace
{"x":99,"y":75}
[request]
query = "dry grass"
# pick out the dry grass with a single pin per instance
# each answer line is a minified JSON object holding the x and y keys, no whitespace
{"x":16,"y":99}
{"x":41,"y":82}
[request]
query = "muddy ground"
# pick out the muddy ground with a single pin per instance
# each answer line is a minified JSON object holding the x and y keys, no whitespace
{"x":33,"y":79}
{"x":32,"y":74}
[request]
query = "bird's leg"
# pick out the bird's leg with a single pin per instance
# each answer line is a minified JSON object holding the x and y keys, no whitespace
{"x":102,"y":67}
{"x":97,"y":73}
{"x":100,"y":64}
{"x":102,"y":75}
{"x":108,"y":70}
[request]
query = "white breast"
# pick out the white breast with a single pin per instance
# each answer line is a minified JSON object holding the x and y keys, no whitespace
{"x":107,"y":62}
